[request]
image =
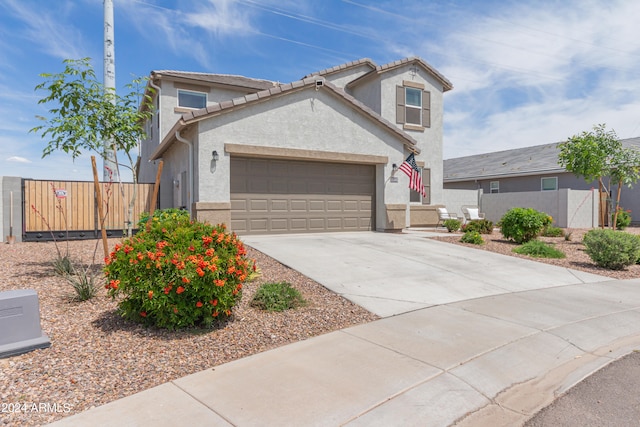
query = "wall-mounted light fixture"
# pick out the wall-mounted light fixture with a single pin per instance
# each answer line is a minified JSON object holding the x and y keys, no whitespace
{"x":395,"y":167}
{"x":176,"y":183}
{"x":214,"y":161}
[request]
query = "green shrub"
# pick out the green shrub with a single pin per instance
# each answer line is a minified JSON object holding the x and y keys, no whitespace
{"x":482,"y":226}
{"x":178,"y":274}
{"x":162,"y":215}
{"x":551,"y":231}
{"x":62,"y":265}
{"x":278,"y":296}
{"x":523,"y":224}
{"x":452,"y":224}
{"x":538,"y":249}
{"x":623,"y":220}
{"x":472,"y":237}
{"x":84,"y":285}
{"x":612,"y":249}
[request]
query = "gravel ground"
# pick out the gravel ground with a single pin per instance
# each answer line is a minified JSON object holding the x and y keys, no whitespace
{"x":576,"y":259}
{"x":96,"y":357}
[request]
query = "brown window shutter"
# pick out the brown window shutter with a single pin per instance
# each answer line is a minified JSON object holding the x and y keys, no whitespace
{"x":426,"y":109}
{"x":400,"y":101}
{"x":426,"y":181}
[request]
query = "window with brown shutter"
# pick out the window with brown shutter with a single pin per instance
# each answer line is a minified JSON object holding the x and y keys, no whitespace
{"x":413,"y":106}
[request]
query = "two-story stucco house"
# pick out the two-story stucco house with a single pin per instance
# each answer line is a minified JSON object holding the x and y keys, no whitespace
{"x":318,"y":154}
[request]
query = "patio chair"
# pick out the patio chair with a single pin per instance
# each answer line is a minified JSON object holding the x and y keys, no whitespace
{"x":444,"y":215}
{"x":472,"y":213}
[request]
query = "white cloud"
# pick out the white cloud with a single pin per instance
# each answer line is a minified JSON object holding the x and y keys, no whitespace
{"x":18,"y":159}
{"x":48,"y":29}
{"x":527,"y":75}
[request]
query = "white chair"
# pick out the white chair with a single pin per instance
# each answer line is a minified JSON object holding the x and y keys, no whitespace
{"x":444,"y":215}
{"x":472,"y":214}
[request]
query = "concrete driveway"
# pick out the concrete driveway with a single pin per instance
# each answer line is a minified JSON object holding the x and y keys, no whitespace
{"x":390,"y":274}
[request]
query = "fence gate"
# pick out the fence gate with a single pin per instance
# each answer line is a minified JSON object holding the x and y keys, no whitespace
{"x":69,"y":209}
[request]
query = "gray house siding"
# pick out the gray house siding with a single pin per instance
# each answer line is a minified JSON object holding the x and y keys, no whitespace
{"x":521,"y":170}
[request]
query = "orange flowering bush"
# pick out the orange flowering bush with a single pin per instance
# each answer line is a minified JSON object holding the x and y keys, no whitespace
{"x":181,"y":273}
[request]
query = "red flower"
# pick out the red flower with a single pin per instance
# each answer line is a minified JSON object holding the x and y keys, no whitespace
{"x":199,"y":304}
{"x":143,"y":313}
{"x":213,"y":302}
{"x":185,"y":280}
{"x":200,"y":272}
{"x":150,"y":294}
{"x":175,"y":310}
{"x":191,"y":248}
{"x":219,"y":282}
{"x":179,"y":290}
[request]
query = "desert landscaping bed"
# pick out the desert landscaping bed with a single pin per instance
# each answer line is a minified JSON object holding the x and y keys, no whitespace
{"x":96,"y":357}
{"x":576,"y":259}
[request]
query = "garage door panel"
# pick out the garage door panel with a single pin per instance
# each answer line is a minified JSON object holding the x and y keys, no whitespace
{"x":317,"y":224}
{"x":279,"y":206}
{"x":278,"y":225}
{"x":258,"y":225}
{"x":299,"y":206}
{"x":259,"y":205}
{"x":316,"y":206}
{"x":334,"y":206}
{"x":280,"y":196}
{"x":299,"y":224}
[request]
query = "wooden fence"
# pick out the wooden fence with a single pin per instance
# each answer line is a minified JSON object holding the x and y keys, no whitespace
{"x":70,"y":207}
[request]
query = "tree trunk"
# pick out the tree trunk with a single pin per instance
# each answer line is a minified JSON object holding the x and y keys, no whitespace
{"x":615,"y":215}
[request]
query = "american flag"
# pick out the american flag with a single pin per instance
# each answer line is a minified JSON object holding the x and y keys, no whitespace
{"x":410,"y":168}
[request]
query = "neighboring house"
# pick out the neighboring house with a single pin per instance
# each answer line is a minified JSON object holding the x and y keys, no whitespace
{"x":525,"y":169}
{"x":316,"y":154}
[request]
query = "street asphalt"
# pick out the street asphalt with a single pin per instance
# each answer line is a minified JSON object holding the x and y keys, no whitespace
{"x":467,"y":338}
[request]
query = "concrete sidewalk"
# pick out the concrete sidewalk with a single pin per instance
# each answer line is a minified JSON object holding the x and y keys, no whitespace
{"x":470,"y":337}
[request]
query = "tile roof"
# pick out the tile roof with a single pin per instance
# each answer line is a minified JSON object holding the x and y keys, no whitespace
{"x":508,"y":163}
{"x":282,"y":89}
{"x":223,"y":79}
{"x":446,"y":84}
{"x":342,"y":67}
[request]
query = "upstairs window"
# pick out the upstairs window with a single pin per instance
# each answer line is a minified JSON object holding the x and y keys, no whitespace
{"x":190,"y":99}
{"x":549,"y":184}
{"x":413,"y":106}
{"x":494,"y":187}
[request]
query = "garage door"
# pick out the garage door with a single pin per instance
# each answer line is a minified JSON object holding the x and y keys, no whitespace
{"x":288,"y":196}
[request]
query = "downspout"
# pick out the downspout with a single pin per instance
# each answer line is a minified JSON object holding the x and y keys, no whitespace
{"x":158,"y":90}
{"x":190,"y":168}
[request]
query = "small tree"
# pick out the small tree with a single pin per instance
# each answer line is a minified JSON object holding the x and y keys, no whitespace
{"x":86,"y":115}
{"x":597,"y":154}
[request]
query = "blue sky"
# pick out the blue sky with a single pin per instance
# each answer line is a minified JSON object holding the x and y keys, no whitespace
{"x":524,"y":73}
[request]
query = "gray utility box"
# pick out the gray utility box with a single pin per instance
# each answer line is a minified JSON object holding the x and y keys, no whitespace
{"x":20,"y":323}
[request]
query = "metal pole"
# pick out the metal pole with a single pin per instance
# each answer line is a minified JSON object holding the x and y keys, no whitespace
{"x":109,"y":162}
